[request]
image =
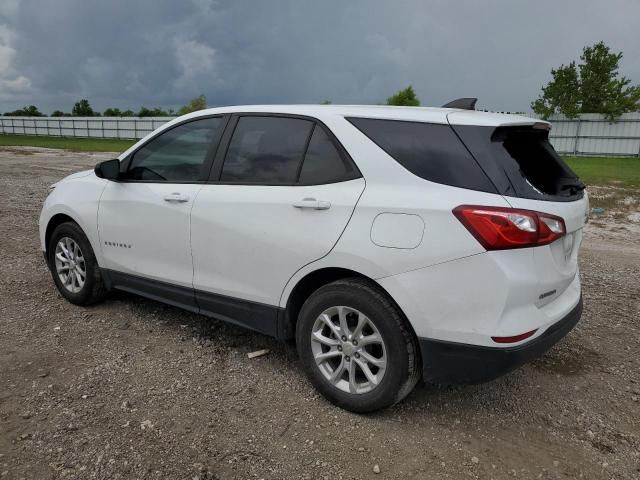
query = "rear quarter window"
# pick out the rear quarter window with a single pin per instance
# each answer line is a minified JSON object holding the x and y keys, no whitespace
{"x":430,"y":151}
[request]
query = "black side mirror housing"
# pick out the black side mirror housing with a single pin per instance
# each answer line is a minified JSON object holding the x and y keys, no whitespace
{"x":109,"y":170}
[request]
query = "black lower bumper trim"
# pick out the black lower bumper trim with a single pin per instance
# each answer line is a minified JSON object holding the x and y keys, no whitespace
{"x":458,"y":363}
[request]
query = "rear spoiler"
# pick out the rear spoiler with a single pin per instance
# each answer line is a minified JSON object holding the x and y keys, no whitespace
{"x":462,"y":103}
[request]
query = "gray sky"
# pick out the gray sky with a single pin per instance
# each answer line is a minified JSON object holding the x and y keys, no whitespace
{"x":128,"y":53}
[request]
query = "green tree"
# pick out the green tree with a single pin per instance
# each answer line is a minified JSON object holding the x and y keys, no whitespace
{"x":593,"y":87}
{"x":406,"y":97}
{"x":112,"y":112}
{"x":144,"y":112}
{"x":326,"y":102}
{"x":601,"y":88}
{"x":60,"y":113}
{"x":561,"y":94}
{"x":82,"y":109}
{"x":156,"y":112}
{"x":30,"y":111}
{"x":195,"y":104}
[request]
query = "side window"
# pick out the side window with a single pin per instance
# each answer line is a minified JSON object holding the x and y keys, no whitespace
{"x":178,"y":155}
{"x":323,"y":163}
{"x":266,"y":150}
{"x":430,"y":151}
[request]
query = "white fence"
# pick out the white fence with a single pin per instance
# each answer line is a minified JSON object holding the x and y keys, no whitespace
{"x":590,"y":134}
{"x":593,"y":134}
{"x":95,"y":127}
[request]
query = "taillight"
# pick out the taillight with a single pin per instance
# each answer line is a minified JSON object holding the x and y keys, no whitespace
{"x":498,"y":228}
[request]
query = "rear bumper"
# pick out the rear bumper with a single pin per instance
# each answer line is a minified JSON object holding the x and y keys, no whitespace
{"x":459,"y":363}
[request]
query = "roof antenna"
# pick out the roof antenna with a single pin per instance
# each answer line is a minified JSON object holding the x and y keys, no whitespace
{"x":462,"y":103}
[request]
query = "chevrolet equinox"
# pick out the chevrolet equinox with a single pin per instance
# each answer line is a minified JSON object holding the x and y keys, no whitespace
{"x":391,"y":243}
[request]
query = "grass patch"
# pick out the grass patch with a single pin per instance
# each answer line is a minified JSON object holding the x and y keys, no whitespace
{"x":620,"y":171}
{"x":67,"y":143}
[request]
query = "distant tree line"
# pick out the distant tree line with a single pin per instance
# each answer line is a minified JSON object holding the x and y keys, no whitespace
{"x":82,"y":108}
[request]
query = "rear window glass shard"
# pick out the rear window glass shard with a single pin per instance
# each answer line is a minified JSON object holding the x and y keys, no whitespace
{"x":539,"y":163}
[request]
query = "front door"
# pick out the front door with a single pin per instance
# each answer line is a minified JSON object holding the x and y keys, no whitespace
{"x":143,"y":220}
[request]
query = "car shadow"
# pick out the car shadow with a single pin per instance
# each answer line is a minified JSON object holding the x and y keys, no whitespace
{"x":497,"y":397}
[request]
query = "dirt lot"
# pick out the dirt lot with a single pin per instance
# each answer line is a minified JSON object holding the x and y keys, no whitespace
{"x":135,"y":389}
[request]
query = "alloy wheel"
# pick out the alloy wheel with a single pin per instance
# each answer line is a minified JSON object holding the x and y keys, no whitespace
{"x":348,"y":349}
{"x":70,"y":265}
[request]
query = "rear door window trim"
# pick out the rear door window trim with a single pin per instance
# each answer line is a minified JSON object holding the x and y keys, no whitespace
{"x":225,"y":141}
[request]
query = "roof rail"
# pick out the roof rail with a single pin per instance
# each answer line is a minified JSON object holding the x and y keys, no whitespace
{"x":463,"y":103}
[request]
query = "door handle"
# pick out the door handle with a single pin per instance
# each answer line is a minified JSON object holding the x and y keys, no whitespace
{"x":313,"y":204}
{"x":176,"y":197}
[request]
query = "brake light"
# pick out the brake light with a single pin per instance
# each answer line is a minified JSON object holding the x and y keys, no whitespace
{"x":498,"y":228}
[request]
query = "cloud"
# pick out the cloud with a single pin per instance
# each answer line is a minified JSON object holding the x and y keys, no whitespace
{"x":7,"y":55}
{"x":162,"y":53}
{"x":12,"y":84}
{"x":18,"y":85}
{"x":196,"y":63}
{"x":9,"y":8}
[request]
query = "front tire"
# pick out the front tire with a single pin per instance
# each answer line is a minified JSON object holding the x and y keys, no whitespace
{"x":356,"y":347}
{"x":73,"y":265}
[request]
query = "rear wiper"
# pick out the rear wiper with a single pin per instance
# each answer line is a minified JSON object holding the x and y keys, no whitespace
{"x":574,"y":186}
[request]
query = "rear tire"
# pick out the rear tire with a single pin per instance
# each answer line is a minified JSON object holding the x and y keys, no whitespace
{"x":73,"y":265}
{"x":356,"y":347}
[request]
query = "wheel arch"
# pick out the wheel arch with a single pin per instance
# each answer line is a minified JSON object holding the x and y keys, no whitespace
{"x":311,"y":282}
{"x":63,"y":216}
{"x":53,"y":223}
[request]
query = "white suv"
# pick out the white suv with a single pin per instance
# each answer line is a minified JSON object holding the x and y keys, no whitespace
{"x":391,"y":243}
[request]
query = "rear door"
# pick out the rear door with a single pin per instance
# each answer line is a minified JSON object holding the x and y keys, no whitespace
{"x":279,"y":198}
{"x":530,"y":175}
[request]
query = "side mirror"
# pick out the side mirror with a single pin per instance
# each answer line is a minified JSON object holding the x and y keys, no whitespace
{"x":109,"y":169}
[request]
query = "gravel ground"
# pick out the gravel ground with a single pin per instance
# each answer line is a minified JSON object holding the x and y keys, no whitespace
{"x":135,"y":389}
